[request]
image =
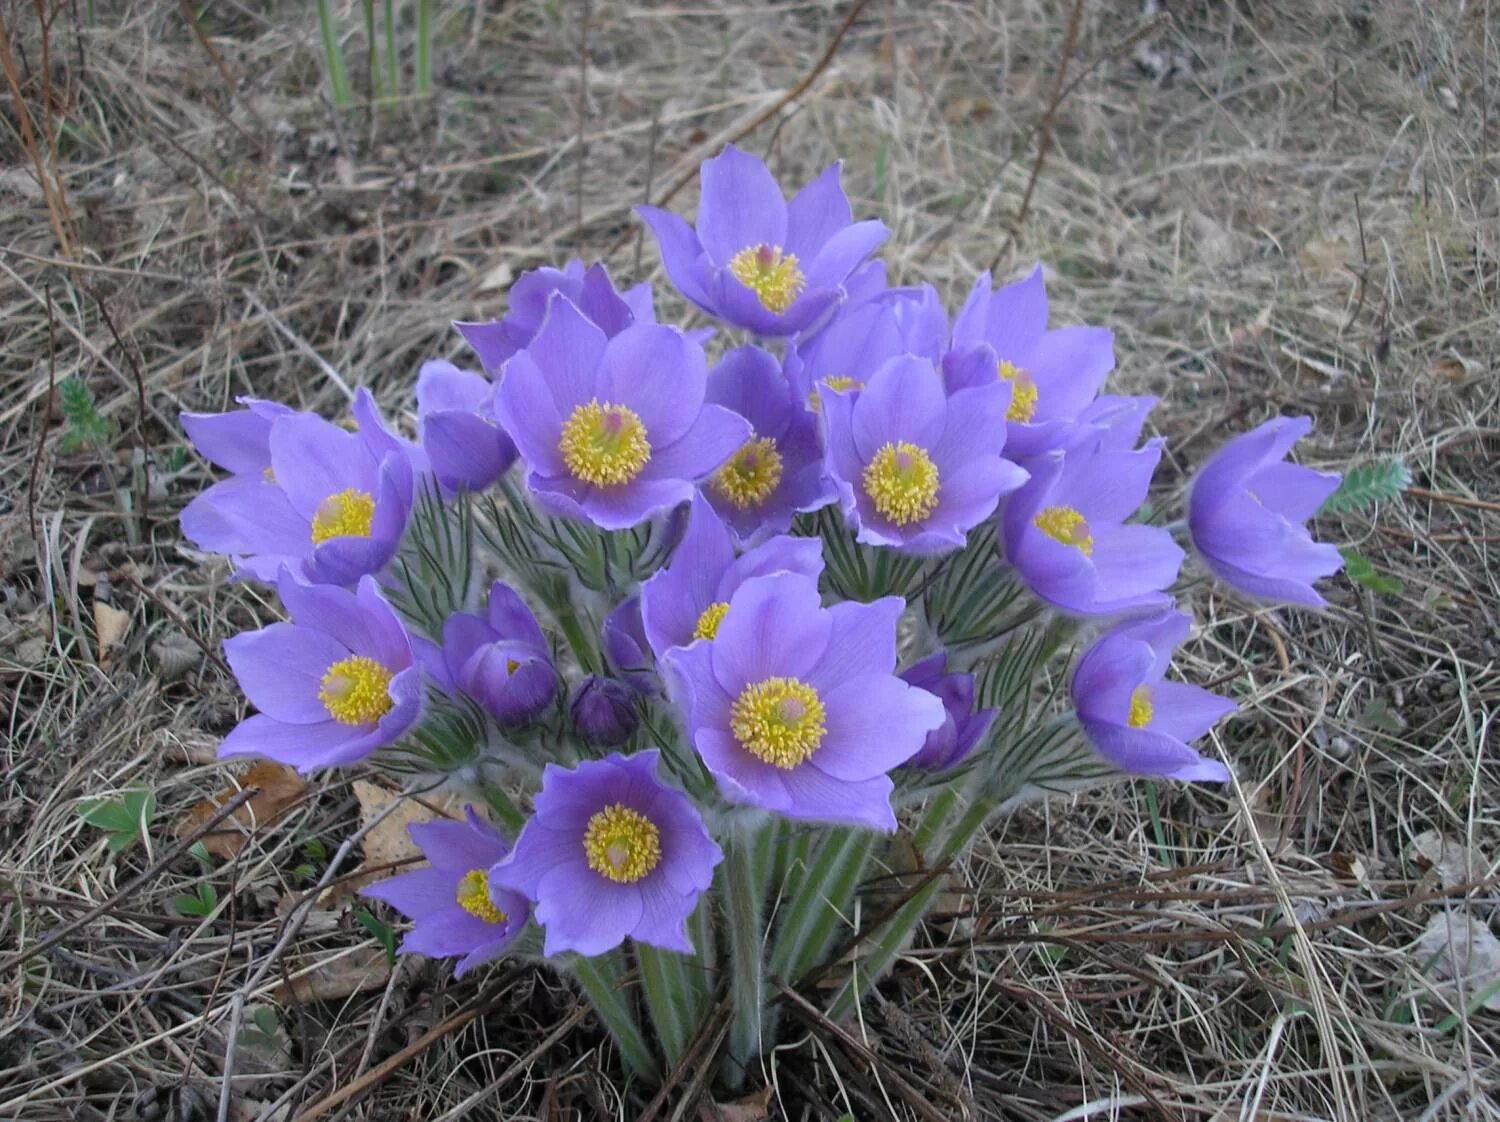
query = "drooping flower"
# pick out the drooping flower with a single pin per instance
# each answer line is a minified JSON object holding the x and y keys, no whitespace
{"x":626,"y":649}
{"x":1065,"y":532}
{"x":499,"y":659}
{"x":589,"y":290}
{"x":1053,"y":374}
{"x":457,"y":428}
{"x":914,"y":468}
{"x":332,"y":686}
{"x":963,"y":726}
{"x":613,"y":430}
{"x":861,"y":338}
{"x":325,"y":504}
{"x":1135,"y":718}
{"x":611,"y":852}
{"x":689,"y":597}
{"x":1246,"y":512}
{"x":778,"y":473}
{"x":603,"y":712}
{"x":455,"y":909}
{"x":796,"y":708}
{"x":757,"y":261}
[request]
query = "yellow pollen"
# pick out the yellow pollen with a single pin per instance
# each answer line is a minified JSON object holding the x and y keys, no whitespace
{"x":772,"y":275}
{"x":268,"y":474}
{"x":708,"y":622}
{"x":604,"y":444}
{"x":1066,"y":525}
{"x":622,"y":844}
{"x":474,"y":897}
{"x":779,"y":720}
{"x":751,"y":474}
{"x":1023,"y":392}
{"x":349,"y":514}
{"x":902,"y":482}
{"x":840,"y":382}
{"x":356,"y":691}
{"x":1141,"y":711}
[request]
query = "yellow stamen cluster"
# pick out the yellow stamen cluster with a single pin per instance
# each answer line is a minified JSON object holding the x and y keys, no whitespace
{"x":773,"y":276}
{"x":708,"y":622}
{"x":348,"y":514}
{"x":1023,"y":392}
{"x":1141,"y":710}
{"x":622,"y":844}
{"x":840,"y":382}
{"x":779,"y":720}
{"x":356,"y":691}
{"x":902,"y":482}
{"x":604,"y":444}
{"x":1066,"y":525}
{"x":474,"y":897}
{"x":751,"y":474}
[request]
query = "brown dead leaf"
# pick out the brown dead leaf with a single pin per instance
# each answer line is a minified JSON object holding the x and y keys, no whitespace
{"x":1450,"y":368}
{"x":281,"y":789}
{"x":333,"y":979}
{"x":389,"y":842}
{"x":110,"y":625}
{"x":1323,"y":256}
{"x":753,"y":1108}
{"x":1452,"y":862}
{"x":497,"y":279}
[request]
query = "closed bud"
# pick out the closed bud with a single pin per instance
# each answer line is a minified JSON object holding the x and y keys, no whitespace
{"x":604,"y":712}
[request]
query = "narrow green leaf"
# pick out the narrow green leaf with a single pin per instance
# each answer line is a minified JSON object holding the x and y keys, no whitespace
{"x":1359,"y":569}
{"x":381,"y":932}
{"x":1366,"y":485}
{"x":333,"y":57}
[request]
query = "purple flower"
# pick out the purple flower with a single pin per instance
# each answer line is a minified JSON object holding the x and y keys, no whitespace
{"x":333,"y":685}
{"x":1066,"y":535}
{"x":325,"y":503}
{"x":1138,"y":721}
{"x":613,"y":430}
{"x":611,"y":852}
{"x":499,"y":659}
{"x":455,"y":908}
{"x":239,"y":441}
{"x":626,"y":648}
{"x":962,"y":728}
{"x":1246,"y":512}
{"x":778,"y":472}
{"x":603,"y":712}
{"x":757,"y":261}
{"x":590,"y":290}
{"x":860,"y":339}
{"x":457,"y":428}
{"x":1054,"y":374}
{"x":1109,"y":422}
{"x":914,"y":468}
{"x":689,"y":597}
{"x":797,"y":709}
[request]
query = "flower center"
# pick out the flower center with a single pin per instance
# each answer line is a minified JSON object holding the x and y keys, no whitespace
{"x":902,"y":482}
{"x":1066,"y":525}
{"x":604,"y":444}
{"x":474,"y":897}
{"x":1141,"y":710}
{"x":779,"y":720}
{"x":356,"y":691}
{"x":708,"y":622}
{"x":1023,"y":392}
{"x":622,"y":844}
{"x":751,"y":474}
{"x":772,"y":275}
{"x":348,"y":514}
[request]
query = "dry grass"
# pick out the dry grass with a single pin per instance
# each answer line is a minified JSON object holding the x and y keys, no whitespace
{"x":1302,"y":215}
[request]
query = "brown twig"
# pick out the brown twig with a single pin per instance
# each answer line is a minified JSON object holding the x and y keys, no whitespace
{"x":140,"y":393}
{"x":583,"y":112}
{"x":218,"y":60}
{"x":171,"y":613}
{"x":57,"y":204}
{"x":41,"y":439}
{"x":1453,"y":500}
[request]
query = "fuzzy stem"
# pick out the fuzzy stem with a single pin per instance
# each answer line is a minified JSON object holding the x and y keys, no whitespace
{"x":601,"y":978}
{"x":746,"y":862}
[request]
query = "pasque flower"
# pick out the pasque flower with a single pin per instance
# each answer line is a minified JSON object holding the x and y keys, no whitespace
{"x":333,"y":685}
{"x":1053,"y":374}
{"x":613,"y":430}
{"x":455,"y":908}
{"x":457,"y":428}
{"x":778,"y":472}
{"x":1246,"y":512}
{"x":611,"y":852}
{"x":914,"y":467}
{"x":689,"y":598}
{"x":626,"y":649}
{"x":1065,"y":532}
{"x":499,"y":659}
{"x":603,"y":712}
{"x":862,"y":337}
{"x":796,"y":708}
{"x":963,"y":726}
{"x":1135,"y":718}
{"x":757,"y":261}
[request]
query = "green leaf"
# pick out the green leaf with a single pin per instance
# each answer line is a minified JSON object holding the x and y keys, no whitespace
{"x":85,"y":424}
{"x":1357,"y":567}
{"x":123,"y":819}
{"x":381,"y":932}
{"x":1366,"y":485}
{"x":200,"y":905}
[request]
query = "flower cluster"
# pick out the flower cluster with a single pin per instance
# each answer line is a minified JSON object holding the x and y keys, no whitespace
{"x":672,"y":611}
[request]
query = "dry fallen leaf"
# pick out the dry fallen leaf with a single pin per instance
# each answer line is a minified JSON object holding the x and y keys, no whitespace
{"x":1462,"y":952}
{"x":1450,"y":368}
{"x":281,"y":789}
{"x":753,"y":1108}
{"x":497,"y":279}
{"x":355,"y":971}
{"x":1452,"y":861}
{"x":389,"y":842}
{"x":110,"y":624}
{"x":1324,"y":257}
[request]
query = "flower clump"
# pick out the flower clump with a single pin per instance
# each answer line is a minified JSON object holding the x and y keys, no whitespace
{"x":702,"y":627}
